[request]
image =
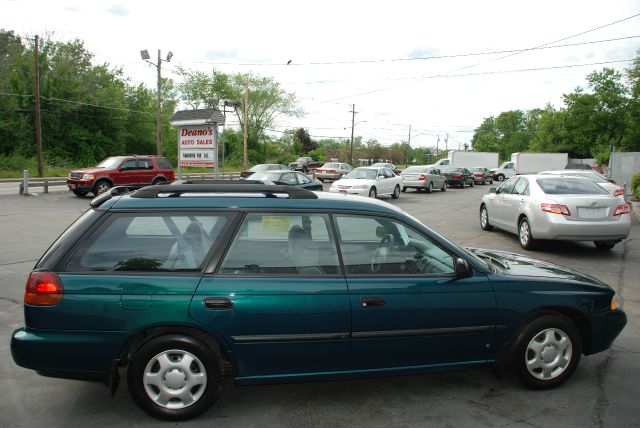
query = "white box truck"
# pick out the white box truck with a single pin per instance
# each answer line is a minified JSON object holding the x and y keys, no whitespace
{"x":470,"y":159}
{"x":530,"y":163}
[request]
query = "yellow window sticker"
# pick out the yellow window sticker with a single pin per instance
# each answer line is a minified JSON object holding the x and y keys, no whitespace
{"x":272,"y":223}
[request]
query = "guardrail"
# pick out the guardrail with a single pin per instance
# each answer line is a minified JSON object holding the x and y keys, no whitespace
{"x":43,"y":183}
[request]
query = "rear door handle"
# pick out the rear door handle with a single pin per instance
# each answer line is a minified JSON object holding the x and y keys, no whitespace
{"x":218,"y":303}
{"x":368,"y":302}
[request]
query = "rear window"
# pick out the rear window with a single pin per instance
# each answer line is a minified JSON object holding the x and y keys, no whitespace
{"x":331,"y":165}
{"x":569,"y":186}
{"x":164,"y":164}
{"x":415,"y":169}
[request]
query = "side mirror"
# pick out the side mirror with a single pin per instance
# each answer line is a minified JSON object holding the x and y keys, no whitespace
{"x":380,"y":177}
{"x":463,"y":270}
{"x":493,"y":190}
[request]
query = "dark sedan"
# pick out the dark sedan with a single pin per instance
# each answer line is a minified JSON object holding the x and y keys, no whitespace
{"x":291,"y":178}
{"x":262,"y":168}
{"x":460,"y":177}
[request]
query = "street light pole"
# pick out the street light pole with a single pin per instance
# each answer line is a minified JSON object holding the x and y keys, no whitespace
{"x":353,"y":124}
{"x":144,"y":54}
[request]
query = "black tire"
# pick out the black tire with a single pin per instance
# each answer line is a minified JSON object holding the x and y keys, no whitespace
{"x":404,"y":189}
{"x":79,"y":193}
{"x":207,"y":361}
{"x":396,"y":192}
{"x":604,"y":245}
{"x":473,"y":183}
{"x":525,"y":237}
{"x":550,"y":337}
{"x":429,"y":188}
{"x":464,"y":184}
{"x":444,"y":187}
{"x":321,"y":180}
{"x":101,"y":186}
{"x":373,"y":193}
{"x":484,"y":181}
{"x":484,"y":221}
{"x":158,"y":181}
{"x":305,"y":169}
{"x":500,"y":177}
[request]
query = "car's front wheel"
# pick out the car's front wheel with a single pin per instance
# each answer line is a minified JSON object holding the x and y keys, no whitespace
{"x":175,"y":377}
{"x":484,"y":218}
{"x":373,"y":193}
{"x":500,"y":177}
{"x":464,"y":184}
{"x":444,"y":187}
{"x":100,"y":187}
{"x":546,"y":351}
{"x":80,"y":193}
{"x":396,"y":192}
{"x":429,"y":188}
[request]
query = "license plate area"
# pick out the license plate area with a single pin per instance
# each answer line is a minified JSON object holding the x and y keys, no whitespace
{"x":592,"y":213}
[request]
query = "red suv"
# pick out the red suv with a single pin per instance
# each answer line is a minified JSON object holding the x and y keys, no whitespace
{"x":120,"y":171}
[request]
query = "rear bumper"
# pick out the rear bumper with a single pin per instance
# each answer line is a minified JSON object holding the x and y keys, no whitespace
{"x":81,"y":355}
{"x":415,"y":184}
{"x":555,"y":226}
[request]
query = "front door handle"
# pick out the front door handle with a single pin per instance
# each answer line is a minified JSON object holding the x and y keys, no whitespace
{"x":368,"y":302}
{"x":218,"y":303}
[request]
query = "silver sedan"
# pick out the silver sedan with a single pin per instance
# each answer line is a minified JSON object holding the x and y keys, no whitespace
{"x":551,"y":207}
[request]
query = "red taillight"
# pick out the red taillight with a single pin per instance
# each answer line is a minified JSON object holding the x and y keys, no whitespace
{"x":478,"y":174}
{"x":618,"y":192}
{"x":330,"y":171}
{"x":622,"y":209}
{"x":456,"y":176}
{"x":421,"y":178}
{"x":555,"y":209}
{"x":43,"y":289}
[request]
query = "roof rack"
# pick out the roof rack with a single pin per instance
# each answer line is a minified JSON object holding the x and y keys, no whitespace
{"x":224,"y":186}
{"x":114,"y":191}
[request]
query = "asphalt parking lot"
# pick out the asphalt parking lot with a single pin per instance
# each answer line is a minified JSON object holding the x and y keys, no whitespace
{"x":602,"y":393}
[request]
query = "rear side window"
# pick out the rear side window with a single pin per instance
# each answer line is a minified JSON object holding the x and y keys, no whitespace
{"x":149,"y":243}
{"x":145,"y":164}
{"x":277,"y":244}
{"x":163,"y":163}
{"x":569,"y":186}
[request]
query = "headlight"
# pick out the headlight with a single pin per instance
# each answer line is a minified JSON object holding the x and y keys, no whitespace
{"x":615,"y":303}
{"x":87,"y":176}
{"x":69,"y":175}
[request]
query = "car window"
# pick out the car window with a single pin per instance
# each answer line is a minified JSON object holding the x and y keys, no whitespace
{"x":303,"y":179}
{"x":149,"y":242}
{"x":382,"y":246}
{"x":289,"y":178}
{"x":129,"y":164}
{"x":292,"y":244}
{"x":163,"y":163}
{"x":507,"y":186}
{"x":144,"y":164}
{"x":521,"y":187}
{"x":569,"y":186}
{"x":388,"y":173}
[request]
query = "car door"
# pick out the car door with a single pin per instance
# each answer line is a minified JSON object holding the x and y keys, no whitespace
{"x":279,"y":299}
{"x":391,"y":180}
{"x":145,"y":172}
{"x":126,"y":172}
{"x":514,"y":202}
{"x":408,"y":307}
{"x":497,"y":214}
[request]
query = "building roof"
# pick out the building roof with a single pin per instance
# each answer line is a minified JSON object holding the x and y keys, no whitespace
{"x":201,"y":116}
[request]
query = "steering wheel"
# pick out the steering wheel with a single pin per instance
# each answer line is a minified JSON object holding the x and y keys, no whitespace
{"x":380,"y":255}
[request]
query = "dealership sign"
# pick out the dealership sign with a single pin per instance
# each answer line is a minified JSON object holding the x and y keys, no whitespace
{"x":197,"y":146}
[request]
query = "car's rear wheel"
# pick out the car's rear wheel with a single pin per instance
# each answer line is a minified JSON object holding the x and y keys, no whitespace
{"x":473,"y":183}
{"x":158,"y":181}
{"x":373,"y":193}
{"x":79,"y":193}
{"x":396,"y":192}
{"x":175,"y":377}
{"x":524,"y":235}
{"x":484,"y":218}
{"x":404,"y":189}
{"x":429,"y":188}
{"x":444,"y":187}
{"x":546,"y":351}
{"x":604,"y":245}
{"x":101,"y":186}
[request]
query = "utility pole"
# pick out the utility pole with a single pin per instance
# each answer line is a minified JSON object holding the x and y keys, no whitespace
{"x":438,"y":146}
{"x":246,"y":121}
{"x":37,"y":100}
{"x":158,"y":111}
{"x":446,"y":143}
{"x":408,"y":148}
{"x":353,"y":124}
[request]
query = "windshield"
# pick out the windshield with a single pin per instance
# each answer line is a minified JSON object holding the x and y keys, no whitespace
{"x":270,"y":176}
{"x":504,"y":164}
{"x":331,"y":165}
{"x":477,"y":170}
{"x":415,"y":169}
{"x":363,"y":174}
{"x":301,"y":159}
{"x":110,"y":163}
{"x":569,"y":186}
{"x":262,"y":167}
{"x":383,"y":164}
{"x":452,"y":169}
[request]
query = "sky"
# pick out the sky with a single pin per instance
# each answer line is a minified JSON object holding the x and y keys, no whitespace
{"x":425,"y":64}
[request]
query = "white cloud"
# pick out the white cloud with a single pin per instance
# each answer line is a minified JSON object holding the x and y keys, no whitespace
{"x":118,"y":9}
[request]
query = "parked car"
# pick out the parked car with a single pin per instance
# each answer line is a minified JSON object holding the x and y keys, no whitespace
{"x":120,"y":171}
{"x":291,"y":178}
{"x":263,"y":167}
{"x":332,"y":171}
{"x":305,"y":164}
{"x":186,"y":284}
{"x":482,"y":175}
{"x":423,"y":177}
{"x":556,"y":207}
{"x":389,"y":165}
{"x":599,"y":179}
{"x":369,"y":181}
{"x":460,"y":177}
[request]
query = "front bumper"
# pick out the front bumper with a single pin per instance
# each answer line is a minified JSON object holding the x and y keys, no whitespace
{"x":81,"y":355}
{"x":80,"y":185}
{"x":351,"y":191}
{"x":604,"y":330}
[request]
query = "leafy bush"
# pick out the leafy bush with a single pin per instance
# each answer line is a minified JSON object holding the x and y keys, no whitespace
{"x":635,"y":183}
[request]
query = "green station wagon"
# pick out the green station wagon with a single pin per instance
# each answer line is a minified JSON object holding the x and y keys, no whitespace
{"x":185,"y":285}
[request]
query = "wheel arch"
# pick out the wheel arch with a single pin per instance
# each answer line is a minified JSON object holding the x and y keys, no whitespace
{"x":103,"y":178}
